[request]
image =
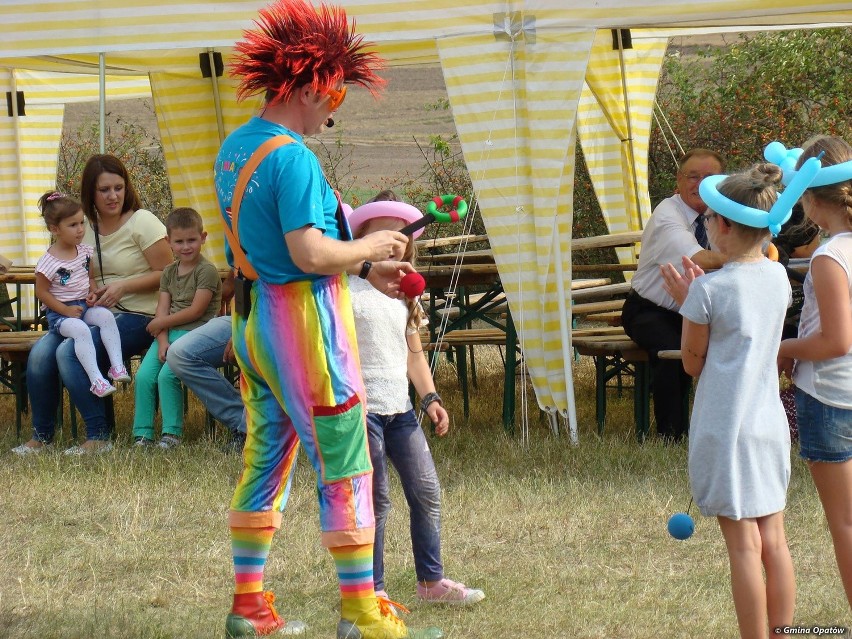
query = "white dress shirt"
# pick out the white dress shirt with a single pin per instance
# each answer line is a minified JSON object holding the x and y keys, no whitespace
{"x":668,"y":236}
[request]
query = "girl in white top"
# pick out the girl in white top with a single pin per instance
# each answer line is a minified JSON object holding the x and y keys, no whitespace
{"x":391,"y":355}
{"x":65,"y":285}
{"x":823,"y":350}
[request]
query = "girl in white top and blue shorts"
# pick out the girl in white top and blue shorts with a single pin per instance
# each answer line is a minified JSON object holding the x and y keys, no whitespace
{"x":820,"y":358}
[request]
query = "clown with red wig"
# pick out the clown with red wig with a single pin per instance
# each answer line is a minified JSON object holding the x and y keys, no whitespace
{"x":293,"y":331}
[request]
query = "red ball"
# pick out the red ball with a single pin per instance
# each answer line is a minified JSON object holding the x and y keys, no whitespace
{"x":412,"y":284}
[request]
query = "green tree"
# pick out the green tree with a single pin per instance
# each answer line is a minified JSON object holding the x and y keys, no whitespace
{"x":786,"y":86}
{"x":141,"y":153}
{"x":444,"y":172}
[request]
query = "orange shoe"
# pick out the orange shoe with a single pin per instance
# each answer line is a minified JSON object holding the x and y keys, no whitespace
{"x":253,"y":616}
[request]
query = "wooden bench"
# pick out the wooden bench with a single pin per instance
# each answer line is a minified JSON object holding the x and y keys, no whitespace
{"x":15,"y":349}
{"x":458,"y":341}
{"x":601,"y":292}
{"x":603,"y":268}
{"x":455,"y":240}
{"x":474,"y":337}
{"x":590,"y":308}
{"x":613,"y":318}
{"x":11,"y":323}
{"x":614,"y":356}
{"x":496,"y":305}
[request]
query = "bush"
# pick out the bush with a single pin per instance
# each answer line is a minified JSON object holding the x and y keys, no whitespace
{"x":337,"y":165}
{"x":444,"y":172}
{"x":127,"y":140}
{"x":785,"y":86}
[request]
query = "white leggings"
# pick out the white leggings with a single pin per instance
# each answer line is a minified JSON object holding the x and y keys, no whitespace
{"x":78,"y":330}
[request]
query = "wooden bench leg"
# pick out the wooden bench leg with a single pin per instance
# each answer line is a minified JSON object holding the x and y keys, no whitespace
{"x":600,"y":392}
{"x":109,"y":414}
{"x":642,"y":400}
{"x":509,"y":378}
{"x":461,"y":368}
{"x":13,"y":376}
{"x":109,"y":409}
{"x":608,"y":367}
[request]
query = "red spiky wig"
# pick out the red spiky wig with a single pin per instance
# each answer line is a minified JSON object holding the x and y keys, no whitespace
{"x":297,"y":44}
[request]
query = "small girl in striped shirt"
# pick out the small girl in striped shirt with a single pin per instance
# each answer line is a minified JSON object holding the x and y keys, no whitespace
{"x":66,"y":287}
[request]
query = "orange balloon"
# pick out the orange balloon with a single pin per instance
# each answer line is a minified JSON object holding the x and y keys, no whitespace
{"x":772,"y":252}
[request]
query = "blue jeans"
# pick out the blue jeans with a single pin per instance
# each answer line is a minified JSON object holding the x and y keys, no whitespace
{"x":195,"y":359}
{"x":54,"y":319}
{"x":825,"y":432}
{"x":53,"y":357}
{"x":400,"y":439}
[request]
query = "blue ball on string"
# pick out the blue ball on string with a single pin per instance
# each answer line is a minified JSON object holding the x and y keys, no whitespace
{"x":681,"y":526}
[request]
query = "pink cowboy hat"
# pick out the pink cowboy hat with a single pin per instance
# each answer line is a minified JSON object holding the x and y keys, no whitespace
{"x":372,"y":210}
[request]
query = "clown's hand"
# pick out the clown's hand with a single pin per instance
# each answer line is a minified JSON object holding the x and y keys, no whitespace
{"x":385,"y":277}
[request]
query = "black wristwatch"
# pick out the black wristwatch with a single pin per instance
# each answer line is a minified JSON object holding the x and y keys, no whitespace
{"x":428,"y":399}
{"x":365,"y":270}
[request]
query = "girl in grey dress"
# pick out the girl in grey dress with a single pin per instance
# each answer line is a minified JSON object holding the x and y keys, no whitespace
{"x":739,"y":443}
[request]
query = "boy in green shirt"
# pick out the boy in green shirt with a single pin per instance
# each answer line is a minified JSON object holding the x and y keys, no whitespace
{"x":190,"y":295}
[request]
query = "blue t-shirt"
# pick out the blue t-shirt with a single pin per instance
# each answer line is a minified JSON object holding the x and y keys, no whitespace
{"x":288,"y":191}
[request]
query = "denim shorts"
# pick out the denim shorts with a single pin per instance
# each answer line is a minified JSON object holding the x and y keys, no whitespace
{"x":54,"y":319}
{"x":825,"y":432}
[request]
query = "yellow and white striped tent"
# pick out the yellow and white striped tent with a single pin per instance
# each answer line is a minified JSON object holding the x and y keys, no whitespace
{"x":524,"y":78}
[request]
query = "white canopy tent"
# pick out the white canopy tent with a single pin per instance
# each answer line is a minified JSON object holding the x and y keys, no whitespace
{"x":524,"y":78}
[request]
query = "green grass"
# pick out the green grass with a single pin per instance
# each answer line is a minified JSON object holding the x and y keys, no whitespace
{"x":566,"y":541}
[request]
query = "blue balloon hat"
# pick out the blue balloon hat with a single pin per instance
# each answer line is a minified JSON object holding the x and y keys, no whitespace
{"x":772,"y":219}
{"x":681,"y":526}
{"x":777,"y":153}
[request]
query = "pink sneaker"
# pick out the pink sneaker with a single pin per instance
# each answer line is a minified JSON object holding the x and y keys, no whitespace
{"x":102,"y":388}
{"x":119,"y":374}
{"x":447,"y":591}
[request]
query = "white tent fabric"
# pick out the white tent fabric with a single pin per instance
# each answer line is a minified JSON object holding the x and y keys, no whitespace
{"x":514,"y":111}
{"x":515,"y":75}
{"x":30,"y":143}
{"x":615,"y":148}
{"x":190,"y":142}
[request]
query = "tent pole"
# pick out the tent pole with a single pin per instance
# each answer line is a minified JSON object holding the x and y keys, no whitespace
{"x":630,"y":153}
{"x":20,"y":165}
{"x":565,"y":333}
{"x":217,"y":102}
{"x":102,"y":102}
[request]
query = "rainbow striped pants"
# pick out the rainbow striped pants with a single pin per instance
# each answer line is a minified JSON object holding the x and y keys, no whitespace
{"x":301,"y":383}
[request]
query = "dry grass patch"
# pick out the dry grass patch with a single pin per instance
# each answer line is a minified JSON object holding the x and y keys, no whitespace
{"x":565,"y":541}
